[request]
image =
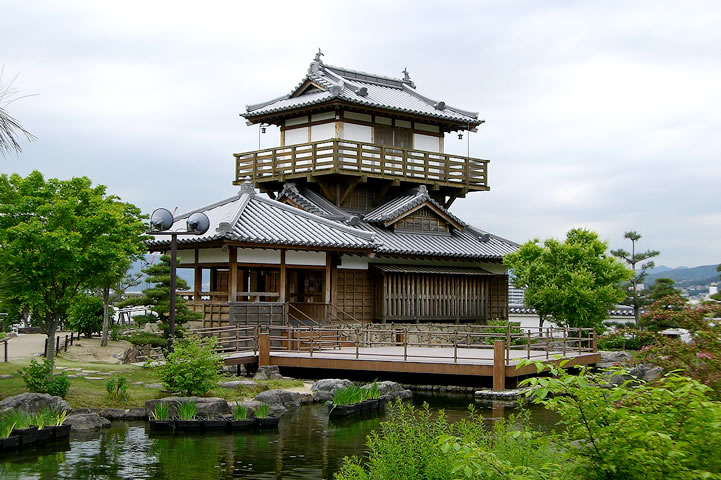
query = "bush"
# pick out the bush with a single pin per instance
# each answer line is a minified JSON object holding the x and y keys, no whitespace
{"x":147,"y":338}
{"x":86,"y":314}
{"x":117,"y":388}
{"x":38,"y":377}
{"x":193,"y":367}
{"x":626,"y":339}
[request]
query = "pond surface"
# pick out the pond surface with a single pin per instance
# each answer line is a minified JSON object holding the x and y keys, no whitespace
{"x":306,"y":445}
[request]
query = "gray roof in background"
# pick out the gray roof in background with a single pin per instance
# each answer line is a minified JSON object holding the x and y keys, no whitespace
{"x":337,"y":83}
{"x":430,"y":269}
{"x":251,"y":218}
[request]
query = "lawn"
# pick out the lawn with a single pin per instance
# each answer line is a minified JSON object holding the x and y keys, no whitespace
{"x":92,"y":393}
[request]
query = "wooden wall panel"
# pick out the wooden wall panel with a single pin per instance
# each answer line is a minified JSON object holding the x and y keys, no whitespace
{"x":355,"y":294}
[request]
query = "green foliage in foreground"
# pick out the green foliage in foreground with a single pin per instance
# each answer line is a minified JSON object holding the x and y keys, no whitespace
{"x":354,"y":394}
{"x":193,"y":368}
{"x":419,"y":445}
{"x":669,"y":430}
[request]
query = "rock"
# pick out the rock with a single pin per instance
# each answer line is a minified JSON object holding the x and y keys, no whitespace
{"x":34,"y":403}
{"x":205,"y":407}
{"x":279,"y":400}
{"x":135,"y":414}
{"x":87,"y":421}
{"x":94,"y":378}
{"x":5,"y":377}
{"x":268,"y":372}
{"x":113,"y":413}
{"x":323,"y":389}
{"x":154,"y":386}
{"x":81,"y":411}
{"x":236,"y":383}
{"x":393,"y":390}
{"x":611,"y":359}
{"x":647,"y":373}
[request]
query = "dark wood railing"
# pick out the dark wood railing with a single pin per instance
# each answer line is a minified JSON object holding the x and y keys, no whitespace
{"x":368,"y":159}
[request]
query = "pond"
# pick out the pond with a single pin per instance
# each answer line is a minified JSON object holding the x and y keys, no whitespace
{"x":307,"y":445}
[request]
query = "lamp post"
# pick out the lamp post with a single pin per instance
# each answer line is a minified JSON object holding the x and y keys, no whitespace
{"x":160,"y":221}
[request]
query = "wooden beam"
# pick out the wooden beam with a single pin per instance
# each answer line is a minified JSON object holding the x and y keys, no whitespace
{"x":263,"y":349}
{"x":349,"y":189}
{"x":451,"y":199}
{"x":328,"y":279}
{"x":197,"y":279}
{"x":327,"y":192}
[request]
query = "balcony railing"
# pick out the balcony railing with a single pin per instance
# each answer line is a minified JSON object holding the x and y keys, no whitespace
{"x":359,"y":158}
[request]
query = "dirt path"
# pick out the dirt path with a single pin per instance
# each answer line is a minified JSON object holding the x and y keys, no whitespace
{"x":89,"y":350}
{"x":25,"y":345}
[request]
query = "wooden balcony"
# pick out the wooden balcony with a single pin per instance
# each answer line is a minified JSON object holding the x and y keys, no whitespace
{"x":345,"y":157}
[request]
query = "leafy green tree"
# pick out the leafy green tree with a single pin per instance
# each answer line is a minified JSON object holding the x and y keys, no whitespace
{"x":635,"y":298}
{"x":717,"y":296}
{"x":157,"y":298}
{"x":573,"y":281}
{"x":664,"y":287}
{"x":85,"y":315}
{"x":51,"y":233}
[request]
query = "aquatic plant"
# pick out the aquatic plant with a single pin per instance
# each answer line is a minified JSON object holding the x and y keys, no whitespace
{"x":21,"y":419}
{"x":43,"y":417}
{"x":60,"y":418}
{"x":6,"y":427}
{"x":161,"y":411}
{"x":240,"y":412}
{"x":374,"y":392}
{"x":262,"y":411}
{"x":187,"y":410}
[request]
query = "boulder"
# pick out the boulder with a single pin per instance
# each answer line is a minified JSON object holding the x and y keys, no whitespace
{"x":279,"y":400}
{"x":323,"y":390}
{"x":646,"y":372}
{"x":393,"y":390}
{"x":268,"y":372}
{"x":82,"y":411}
{"x":87,"y":421}
{"x":34,"y":403}
{"x":206,"y":407}
{"x":112,"y":413}
{"x":233,"y":384}
{"x":135,"y":414}
{"x":611,"y":359}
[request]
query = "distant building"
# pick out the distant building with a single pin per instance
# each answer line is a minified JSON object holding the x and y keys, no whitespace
{"x":516,"y":296}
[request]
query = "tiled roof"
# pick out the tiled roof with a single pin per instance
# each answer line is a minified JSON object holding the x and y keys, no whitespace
{"x":400,"y":205}
{"x":252,"y":218}
{"x":470,"y":242}
{"x":329,"y":83}
{"x":429,"y":269}
{"x":619,"y":311}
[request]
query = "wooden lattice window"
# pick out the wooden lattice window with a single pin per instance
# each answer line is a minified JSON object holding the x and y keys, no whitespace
{"x":423,"y":220}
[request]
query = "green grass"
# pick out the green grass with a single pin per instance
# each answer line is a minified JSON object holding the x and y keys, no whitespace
{"x":93,"y":394}
{"x":240,"y":412}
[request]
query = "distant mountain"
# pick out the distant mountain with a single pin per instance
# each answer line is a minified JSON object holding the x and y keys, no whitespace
{"x":685,"y":276}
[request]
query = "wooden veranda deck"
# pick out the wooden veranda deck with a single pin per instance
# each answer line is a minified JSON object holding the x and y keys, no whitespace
{"x":489,"y":353}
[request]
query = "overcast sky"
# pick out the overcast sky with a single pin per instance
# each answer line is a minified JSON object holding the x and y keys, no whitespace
{"x":605,"y":115}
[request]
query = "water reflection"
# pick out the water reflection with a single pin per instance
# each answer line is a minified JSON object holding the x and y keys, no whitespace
{"x":307,"y":445}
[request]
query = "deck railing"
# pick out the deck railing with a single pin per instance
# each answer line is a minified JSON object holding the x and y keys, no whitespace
{"x":346,"y":156}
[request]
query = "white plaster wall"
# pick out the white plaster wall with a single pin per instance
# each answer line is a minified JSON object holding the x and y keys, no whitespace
{"x":258,"y":255}
{"x":186,"y":256}
{"x":213,"y":255}
{"x":322,"y":116}
{"x":296,"y":257}
{"x":323,"y":131}
{"x":357,"y":133}
{"x":426,"y":142}
{"x":351,"y":262}
{"x":295,"y":136}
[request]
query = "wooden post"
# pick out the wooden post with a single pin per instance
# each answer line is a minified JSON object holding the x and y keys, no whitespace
{"x":233,"y":274}
{"x":508,"y":342}
{"x":66,"y":343}
{"x":455,"y":346}
{"x":405,"y":345}
{"x":57,"y":344}
{"x":548,"y":345}
{"x":499,"y":365}
{"x":6,"y":351}
{"x":357,"y":339}
{"x":528,"y":344}
{"x":594,"y":341}
{"x":263,"y":349}
{"x":197,"y":282}
{"x":133,"y":355}
{"x":282,"y":279}
{"x":328,"y":281}
{"x":580,"y":349}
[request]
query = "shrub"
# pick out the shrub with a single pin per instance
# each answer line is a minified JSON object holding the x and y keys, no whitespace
{"x":85,"y":315}
{"x":147,"y":338}
{"x":193,"y":367}
{"x":626,"y":339}
{"x":117,"y":388}
{"x":643,"y":431}
{"x":38,"y":377}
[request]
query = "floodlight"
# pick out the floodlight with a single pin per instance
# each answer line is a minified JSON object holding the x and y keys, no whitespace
{"x":161,"y":220}
{"x":198,"y":223}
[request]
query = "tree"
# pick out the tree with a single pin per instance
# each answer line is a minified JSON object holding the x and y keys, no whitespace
{"x":10,"y":128}
{"x":157,"y":298}
{"x":50,"y":234}
{"x":121,"y":243}
{"x":717,"y":296}
{"x":634,"y":297}
{"x":664,"y":287}
{"x":573,"y":281}
{"x":85,"y":315}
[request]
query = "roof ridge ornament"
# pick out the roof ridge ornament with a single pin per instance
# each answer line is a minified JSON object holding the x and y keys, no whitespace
{"x":247,"y":187}
{"x":407,"y":78}
{"x":318,"y":55}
